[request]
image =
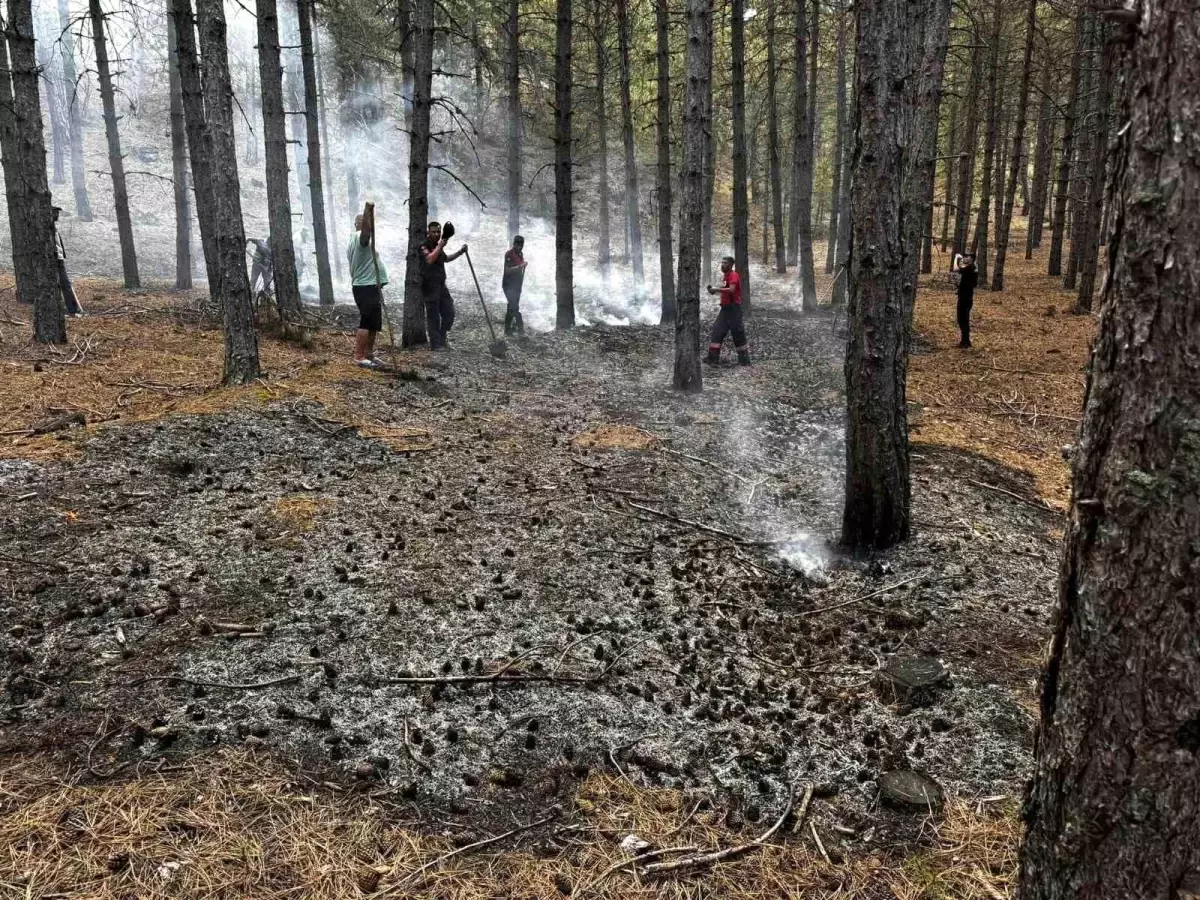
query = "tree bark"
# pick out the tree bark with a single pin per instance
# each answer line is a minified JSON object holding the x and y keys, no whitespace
{"x":25,"y":180}
{"x":1081,"y":179}
{"x":710,"y":153}
{"x":1070,"y":122}
{"x":58,"y":129}
{"x":979,"y":243}
{"x":1112,"y":808}
{"x":665,"y":248}
{"x":775,"y":176}
{"x":421,"y":37}
{"x":512,"y":78}
{"x":307,"y":16}
{"x":841,"y":278}
{"x":697,"y":16}
{"x":179,"y":169}
{"x":835,"y":190}
{"x":253,"y":106}
{"x":604,"y":238}
{"x":632,"y":205}
{"x":741,"y":201}
{"x":1042,"y":158}
{"x":293,"y":86}
{"x":800,"y":228}
{"x":1019,"y":164}
{"x":83,"y":206}
{"x":951,"y":147}
{"x":1089,"y":247}
{"x":323,"y":114}
{"x":970,"y":146}
{"x":116,"y":161}
{"x":279,"y":204}
{"x":564,"y":217}
{"x":241,"y":335}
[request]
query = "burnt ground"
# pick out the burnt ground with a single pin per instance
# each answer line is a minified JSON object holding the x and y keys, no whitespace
{"x":505,"y":543}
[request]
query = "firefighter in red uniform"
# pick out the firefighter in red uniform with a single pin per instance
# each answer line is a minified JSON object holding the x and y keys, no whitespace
{"x":729,"y":319}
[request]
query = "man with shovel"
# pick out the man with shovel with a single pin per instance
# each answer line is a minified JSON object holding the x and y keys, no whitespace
{"x":439,"y":305}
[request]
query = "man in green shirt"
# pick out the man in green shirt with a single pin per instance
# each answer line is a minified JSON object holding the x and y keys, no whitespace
{"x":367,"y":277}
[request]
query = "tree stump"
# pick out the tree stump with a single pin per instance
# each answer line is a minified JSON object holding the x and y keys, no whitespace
{"x":911,"y":791}
{"x":910,"y":680}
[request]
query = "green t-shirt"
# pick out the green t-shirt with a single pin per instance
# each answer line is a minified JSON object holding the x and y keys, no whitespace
{"x":362,"y":267}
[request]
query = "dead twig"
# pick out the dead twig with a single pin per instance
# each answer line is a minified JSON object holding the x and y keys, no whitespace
{"x":625,"y":863}
{"x":251,"y":686}
{"x":698,"y":525}
{"x":707,"y":462}
{"x":1007,"y":493}
{"x":882,"y":590}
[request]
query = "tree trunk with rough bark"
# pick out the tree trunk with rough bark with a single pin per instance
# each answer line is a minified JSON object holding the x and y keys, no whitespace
{"x":948,"y":192}
{"x":323,"y":114}
{"x":293,"y":87}
{"x":710,"y":154}
{"x":1070,"y":124}
{"x":116,"y":161}
{"x":253,"y":105}
{"x":1082,"y":174}
{"x":83,"y":206}
{"x":241,"y":335}
{"x":413,"y":330}
{"x":775,"y":175}
{"x":1112,"y":809}
{"x":835,"y":189}
{"x":665,"y":248}
{"x":697,"y":73}
{"x":603,"y":237}
{"x":800,"y":223}
{"x":1089,"y":246}
{"x":1042,"y":157}
{"x":1019,"y":164}
{"x":632,"y":205}
{"x":179,"y":169}
{"x":970,"y":145}
{"x":512,"y":80}
{"x":307,"y":15}
{"x":564,"y":216}
{"x":979,"y":243}
{"x":279,"y":204}
{"x":741,"y":201}
{"x":25,"y":180}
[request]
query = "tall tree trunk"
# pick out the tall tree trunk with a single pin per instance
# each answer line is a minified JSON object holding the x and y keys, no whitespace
{"x":970,"y":146}
{"x":279,"y":204}
{"x":801,"y":132}
{"x":835,"y":185}
{"x":404,"y":30}
{"x":312,"y":119}
{"x":116,"y":162}
{"x":604,"y":240}
{"x":512,"y":78}
{"x":564,"y":216}
{"x":241,"y":335}
{"x":323,"y":113}
{"x":58,"y":133}
{"x":710,"y":154}
{"x":1089,"y":247}
{"x":803,"y":173}
{"x":413,"y":332}
{"x":25,"y":180}
{"x":293,"y":86}
{"x":1042,"y":157}
{"x":951,"y":148}
{"x":199,"y":142}
{"x":83,"y":206}
{"x":741,"y":202}
{"x":979,"y":243}
{"x":253,"y":106}
{"x":179,"y":170}
{"x":697,"y":73}
{"x":775,"y":176}
{"x":665,"y":249}
{"x":632,"y":207}
{"x":814,"y":120}
{"x":841,"y":278}
{"x":1112,"y":807}
{"x":1019,"y":164}
{"x":1070,"y":124}
{"x":1082,"y":178}
{"x":998,"y":161}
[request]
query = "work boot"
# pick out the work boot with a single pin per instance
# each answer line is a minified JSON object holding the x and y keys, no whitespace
{"x":743,"y":357}
{"x":713,"y":358}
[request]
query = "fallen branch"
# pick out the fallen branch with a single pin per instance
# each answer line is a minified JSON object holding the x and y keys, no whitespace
{"x":252,"y":686}
{"x":50,"y":564}
{"x":699,"y":525}
{"x":882,"y":590}
{"x":1007,"y":493}
{"x":718,"y":856}
{"x":707,"y":462}
{"x":485,"y":679}
{"x":625,"y":863}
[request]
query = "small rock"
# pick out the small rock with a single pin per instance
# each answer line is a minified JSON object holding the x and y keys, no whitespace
{"x":911,"y":791}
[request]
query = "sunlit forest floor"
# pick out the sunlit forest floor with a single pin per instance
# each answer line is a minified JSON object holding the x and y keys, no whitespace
{"x":313,"y":636}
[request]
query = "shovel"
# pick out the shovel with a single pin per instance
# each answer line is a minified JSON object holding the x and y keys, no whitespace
{"x":497,"y":348}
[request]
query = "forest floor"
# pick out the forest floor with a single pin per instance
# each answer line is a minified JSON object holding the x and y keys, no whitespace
{"x":311,"y":636}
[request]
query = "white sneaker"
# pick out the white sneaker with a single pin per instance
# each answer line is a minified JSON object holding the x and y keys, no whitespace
{"x":367,"y":363}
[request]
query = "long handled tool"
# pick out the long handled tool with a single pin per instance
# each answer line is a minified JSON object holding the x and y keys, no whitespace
{"x":497,"y":348}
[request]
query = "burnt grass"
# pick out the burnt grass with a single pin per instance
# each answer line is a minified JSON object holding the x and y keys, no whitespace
{"x":628,"y":640}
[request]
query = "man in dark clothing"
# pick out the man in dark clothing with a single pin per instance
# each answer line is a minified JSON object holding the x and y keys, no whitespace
{"x":729,"y":319}
{"x":439,"y":305}
{"x":514,"y":278}
{"x":968,"y":277}
{"x":74,"y":310}
{"x":262,"y":271}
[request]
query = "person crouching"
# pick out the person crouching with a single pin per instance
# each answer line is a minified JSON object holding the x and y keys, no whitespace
{"x":729,"y":319}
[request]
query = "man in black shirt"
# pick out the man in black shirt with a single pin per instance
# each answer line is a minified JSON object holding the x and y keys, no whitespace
{"x":511,"y":282}
{"x":968,"y":276}
{"x":439,"y":305}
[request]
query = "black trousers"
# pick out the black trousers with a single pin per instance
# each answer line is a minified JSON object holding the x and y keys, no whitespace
{"x":439,"y":315}
{"x":729,"y":321}
{"x":513,"y":323}
{"x":964,"y":317}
